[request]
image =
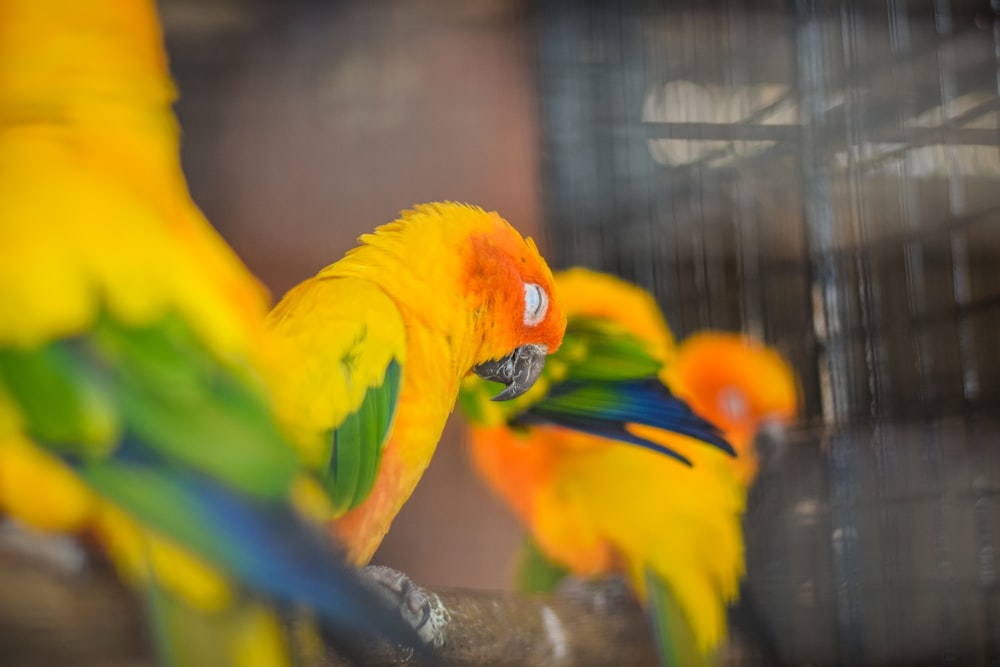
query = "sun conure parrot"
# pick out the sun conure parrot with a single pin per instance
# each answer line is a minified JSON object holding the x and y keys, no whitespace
{"x":130,"y":407}
{"x":565,"y":457}
{"x":370,"y":351}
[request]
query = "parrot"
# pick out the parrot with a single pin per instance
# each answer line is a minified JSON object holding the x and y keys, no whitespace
{"x":133,"y":411}
{"x":369,"y":353}
{"x":577,"y":458}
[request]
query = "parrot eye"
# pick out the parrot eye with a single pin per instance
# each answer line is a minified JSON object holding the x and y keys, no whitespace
{"x":536,"y":303}
{"x":734,"y":404}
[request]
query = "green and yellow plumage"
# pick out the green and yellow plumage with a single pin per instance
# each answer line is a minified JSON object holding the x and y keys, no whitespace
{"x":368,"y":354}
{"x":130,"y":343}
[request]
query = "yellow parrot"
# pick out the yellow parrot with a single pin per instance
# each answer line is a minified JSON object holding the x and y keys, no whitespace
{"x":565,"y":457}
{"x":394,"y":326}
{"x":130,"y":399}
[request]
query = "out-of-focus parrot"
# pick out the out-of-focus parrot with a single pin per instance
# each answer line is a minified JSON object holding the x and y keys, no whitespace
{"x":130,"y":406}
{"x":564,"y":457}
{"x":370,"y":352}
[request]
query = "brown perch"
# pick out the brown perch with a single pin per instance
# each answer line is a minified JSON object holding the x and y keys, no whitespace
{"x":53,"y":617}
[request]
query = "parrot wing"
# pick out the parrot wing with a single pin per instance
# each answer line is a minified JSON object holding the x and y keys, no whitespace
{"x":604,"y":380}
{"x":608,"y":409}
{"x":194,"y":461}
{"x":341,"y":338}
{"x":603,"y":349}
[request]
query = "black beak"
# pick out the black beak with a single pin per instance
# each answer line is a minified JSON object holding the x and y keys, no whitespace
{"x":518,"y":370}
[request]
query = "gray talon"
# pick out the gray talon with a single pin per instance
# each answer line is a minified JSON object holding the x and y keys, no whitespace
{"x":422,"y":609}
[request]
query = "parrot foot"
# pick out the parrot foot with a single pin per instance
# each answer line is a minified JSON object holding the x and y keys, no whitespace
{"x":421,"y":608}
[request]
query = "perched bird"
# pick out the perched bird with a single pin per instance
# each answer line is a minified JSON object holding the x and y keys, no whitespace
{"x":130,"y":400}
{"x":608,"y":467}
{"x":368,"y":354}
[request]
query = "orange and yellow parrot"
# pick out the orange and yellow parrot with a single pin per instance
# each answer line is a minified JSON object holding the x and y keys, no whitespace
{"x":368,"y":355}
{"x":130,"y":404}
{"x":581,"y":460}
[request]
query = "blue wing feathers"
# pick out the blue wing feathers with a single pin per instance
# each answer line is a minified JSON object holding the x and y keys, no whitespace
{"x":264,"y":545}
{"x":605,"y":408}
{"x":604,"y":429}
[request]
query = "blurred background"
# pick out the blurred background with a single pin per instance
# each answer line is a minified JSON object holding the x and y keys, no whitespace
{"x":823,"y":175}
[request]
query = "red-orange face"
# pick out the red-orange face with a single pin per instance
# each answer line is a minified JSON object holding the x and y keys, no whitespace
{"x":519,"y":317}
{"x":734,"y":382}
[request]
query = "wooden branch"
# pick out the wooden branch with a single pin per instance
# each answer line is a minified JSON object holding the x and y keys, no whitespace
{"x":584,"y":627}
{"x":53,"y":617}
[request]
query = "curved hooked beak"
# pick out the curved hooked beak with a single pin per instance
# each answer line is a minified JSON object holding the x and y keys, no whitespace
{"x":518,"y":370}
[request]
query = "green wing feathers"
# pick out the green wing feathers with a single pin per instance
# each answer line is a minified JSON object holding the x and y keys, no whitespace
{"x":69,"y":409}
{"x":592,"y":350}
{"x":358,"y":443}
{"x":598,"y":349}
{"x":339,"y":351}
{"x":185,"y":449}
{"x":77,"y":394}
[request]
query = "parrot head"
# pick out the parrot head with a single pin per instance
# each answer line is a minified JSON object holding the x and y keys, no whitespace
{"x":738,"y":384}
{"x":503,"y":318}
{"x":512,"y":296}
{"x":603,"y":311}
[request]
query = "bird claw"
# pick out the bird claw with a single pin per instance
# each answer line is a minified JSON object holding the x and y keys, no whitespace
{"x":421,"y":608}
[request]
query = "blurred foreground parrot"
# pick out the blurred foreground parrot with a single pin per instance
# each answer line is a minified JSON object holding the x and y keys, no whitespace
{"x":130,"y":402}
{"x":369,"y":353}
{"x":577,"y":457}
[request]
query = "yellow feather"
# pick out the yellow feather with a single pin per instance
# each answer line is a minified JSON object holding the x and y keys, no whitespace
{"x":603,"y":296}
{"x":89,"y":153}
{"x":332,"y":340}
{"x":681,"y":523}
{"x":40,"y":490}
{"x":260,"y":641}
{"x":142,"y":554}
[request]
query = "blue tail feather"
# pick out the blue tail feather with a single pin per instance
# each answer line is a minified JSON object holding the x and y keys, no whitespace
{"x":264,"y":545}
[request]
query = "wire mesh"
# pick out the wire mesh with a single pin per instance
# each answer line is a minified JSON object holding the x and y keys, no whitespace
{"x":826,"y":176}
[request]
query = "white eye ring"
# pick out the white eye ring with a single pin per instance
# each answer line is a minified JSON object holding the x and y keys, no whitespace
{"x":734,"y":404}
{"x":536,"y":304}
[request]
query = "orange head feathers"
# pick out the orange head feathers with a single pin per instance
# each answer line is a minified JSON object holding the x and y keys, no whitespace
{"x":506,"y":297}
{"x":736,"y":383}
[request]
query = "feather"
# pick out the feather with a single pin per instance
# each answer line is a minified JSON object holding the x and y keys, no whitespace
{"x":607,"y":408}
